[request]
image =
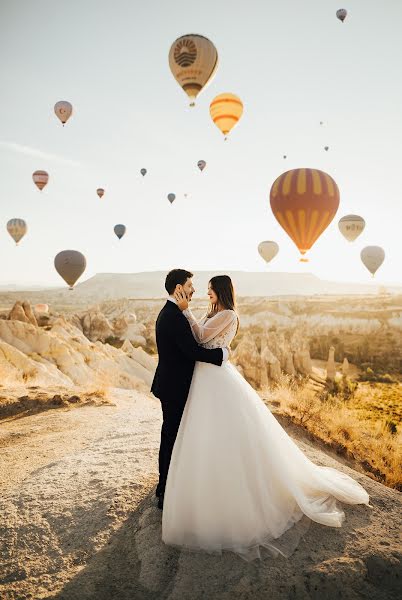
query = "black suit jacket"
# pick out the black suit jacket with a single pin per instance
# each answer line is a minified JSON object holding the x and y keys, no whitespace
{"x":178,"y":351}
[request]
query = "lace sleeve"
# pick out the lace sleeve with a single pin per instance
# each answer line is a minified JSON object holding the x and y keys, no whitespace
{"x":207,"y":329}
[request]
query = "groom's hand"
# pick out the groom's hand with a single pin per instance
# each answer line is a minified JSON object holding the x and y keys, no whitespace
{"x":181,"y":298}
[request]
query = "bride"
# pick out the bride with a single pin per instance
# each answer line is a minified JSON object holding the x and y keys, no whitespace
{"x":236,"y":480}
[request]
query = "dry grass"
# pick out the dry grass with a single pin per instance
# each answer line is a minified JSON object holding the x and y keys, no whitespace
{"x":350,"y":427}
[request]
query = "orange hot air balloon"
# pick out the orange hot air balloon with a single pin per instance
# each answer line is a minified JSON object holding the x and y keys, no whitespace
{"x":225,"y":111}
{"x":304,"y":202}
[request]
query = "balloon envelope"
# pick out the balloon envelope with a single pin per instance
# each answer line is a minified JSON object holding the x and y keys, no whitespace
{"x":304,"y":202}
{"x":171,"y":198}
{"x":351,"y":226}
{"x":372,"y":258}
{"x":225,"y":111}
{"x":100,"y":192}
{"x":193,"y":60}
{"x":17,"y":228}
{"x":70,"y":265}
{"x":143,"y":172}
{"x":201,"y":165}
{"x":63,"y":110}
{"x":268,"y":250}
{"x":342,"y":13}
{"x":120,"y":230}
{"x":40,"y":179}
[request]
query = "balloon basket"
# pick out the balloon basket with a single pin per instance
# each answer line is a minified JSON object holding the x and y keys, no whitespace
{"x":303,"y":260}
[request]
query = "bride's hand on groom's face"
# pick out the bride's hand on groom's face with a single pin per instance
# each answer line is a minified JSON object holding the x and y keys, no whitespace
{"x":181,"y":298}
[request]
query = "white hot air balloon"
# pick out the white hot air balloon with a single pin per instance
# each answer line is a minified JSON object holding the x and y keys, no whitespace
{"x":351,"y":226}
{"x":268,"y":250}
{"x":63,"y":110}
{"x":372,"y":258}
{"x":17,"y":228}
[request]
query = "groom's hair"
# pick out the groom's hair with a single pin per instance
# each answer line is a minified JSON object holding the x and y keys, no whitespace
{"x":176,"y":277}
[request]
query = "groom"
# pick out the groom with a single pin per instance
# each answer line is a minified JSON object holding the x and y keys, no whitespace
{"x":178,"y":352}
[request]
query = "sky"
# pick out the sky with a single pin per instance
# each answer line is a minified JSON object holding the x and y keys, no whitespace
{"x":292,"y":63}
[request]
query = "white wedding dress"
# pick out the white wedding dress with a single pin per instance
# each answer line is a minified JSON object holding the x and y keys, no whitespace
{"x":236,"y":480}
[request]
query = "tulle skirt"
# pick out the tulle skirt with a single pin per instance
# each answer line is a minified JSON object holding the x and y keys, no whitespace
{"x":237,"y":481}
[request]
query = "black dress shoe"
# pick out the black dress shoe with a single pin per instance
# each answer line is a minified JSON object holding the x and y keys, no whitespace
{"x":160,"y":503}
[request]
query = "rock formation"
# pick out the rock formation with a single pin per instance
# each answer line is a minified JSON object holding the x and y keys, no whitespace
{"x":331,"y":369}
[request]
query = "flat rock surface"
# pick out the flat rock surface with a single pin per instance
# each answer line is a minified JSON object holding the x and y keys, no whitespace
{"x":79,"y":521}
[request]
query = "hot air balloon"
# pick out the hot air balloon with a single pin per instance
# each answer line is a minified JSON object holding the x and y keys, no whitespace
{"x":193,"y":60}
{"x":40,"y":179}
{"x":143,"y":172}
{"x":70,"y":265}
{"x":100,"y":192}
{"x":341,"y":14}
{"x":304,"y":202}
{"x":372,"y":258}
{"x":63,"y":111}
{"x":120,"y":230}
{"x":201,"y":165}
{"x":17,"y":228}
{"x":225,"y":111}
{"x":351,"y":226}
{"x":284,"y":156}
{"x":171,"y":198}
{"x":326,"y":148}
{"x":268,"y":250}
{"x":41,"y":308}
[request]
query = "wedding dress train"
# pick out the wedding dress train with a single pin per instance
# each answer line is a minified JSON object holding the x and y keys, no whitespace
{"x":236,"y":480}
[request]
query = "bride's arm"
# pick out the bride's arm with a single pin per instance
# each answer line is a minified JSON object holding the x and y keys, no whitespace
{"x":206,"y":330}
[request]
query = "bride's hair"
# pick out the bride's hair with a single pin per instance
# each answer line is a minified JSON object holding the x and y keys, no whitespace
{"x":223,"y":288}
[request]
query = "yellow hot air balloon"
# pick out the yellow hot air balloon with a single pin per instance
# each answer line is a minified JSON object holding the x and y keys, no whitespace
{"x":70,"y":265}
{"x":268,"y":250}
{"x":100,"y":192}
{"x":225,"y":111}
{"x":63,"y":110}
{"x":17,"y":228}
{"x":372,"y":257}
{"x":193,"y":60}
{"x":351,"y":226}
{"x":304,"y":202}
{"x":40,"y":179}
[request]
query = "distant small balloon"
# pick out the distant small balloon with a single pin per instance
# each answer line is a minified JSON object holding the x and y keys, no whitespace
{"x":351,"y":226}
{"x":268,"y":250}
{"x":70,"y":265}
{"x":326,"y":148}
{"x":40,"y":179}
{"x":100,"y":192}
{"x":17,"y":228}
{"x":341,"y":14}
{"x":171,"y":198}
{"x":63,"y":111}
{"x":120,"y":230}
{"x":372,"y":257}
{"x":284,"y":156}
{"x":143,"y":172}
{"x":201,"y":165}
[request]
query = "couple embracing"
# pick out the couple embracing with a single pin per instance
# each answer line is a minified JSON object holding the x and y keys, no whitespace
{"x":230,"y":478}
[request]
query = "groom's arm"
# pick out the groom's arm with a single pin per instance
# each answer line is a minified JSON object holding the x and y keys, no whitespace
{"x":187,"y":344}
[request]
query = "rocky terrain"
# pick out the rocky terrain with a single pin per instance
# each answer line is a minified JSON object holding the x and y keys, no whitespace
{"x":79,"y":521}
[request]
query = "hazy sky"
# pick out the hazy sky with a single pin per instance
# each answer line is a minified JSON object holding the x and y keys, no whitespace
{"x":292,"y":63}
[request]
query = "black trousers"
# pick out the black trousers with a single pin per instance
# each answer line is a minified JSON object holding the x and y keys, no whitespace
{"x":172,"y":413}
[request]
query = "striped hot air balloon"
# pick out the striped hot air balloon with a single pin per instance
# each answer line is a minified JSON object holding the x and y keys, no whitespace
{"x":193,"y":60}
{"x":17,"y":228}
{"x":40,"y":179}
{"x":225,"y":111}
{"x":304,"y":202}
